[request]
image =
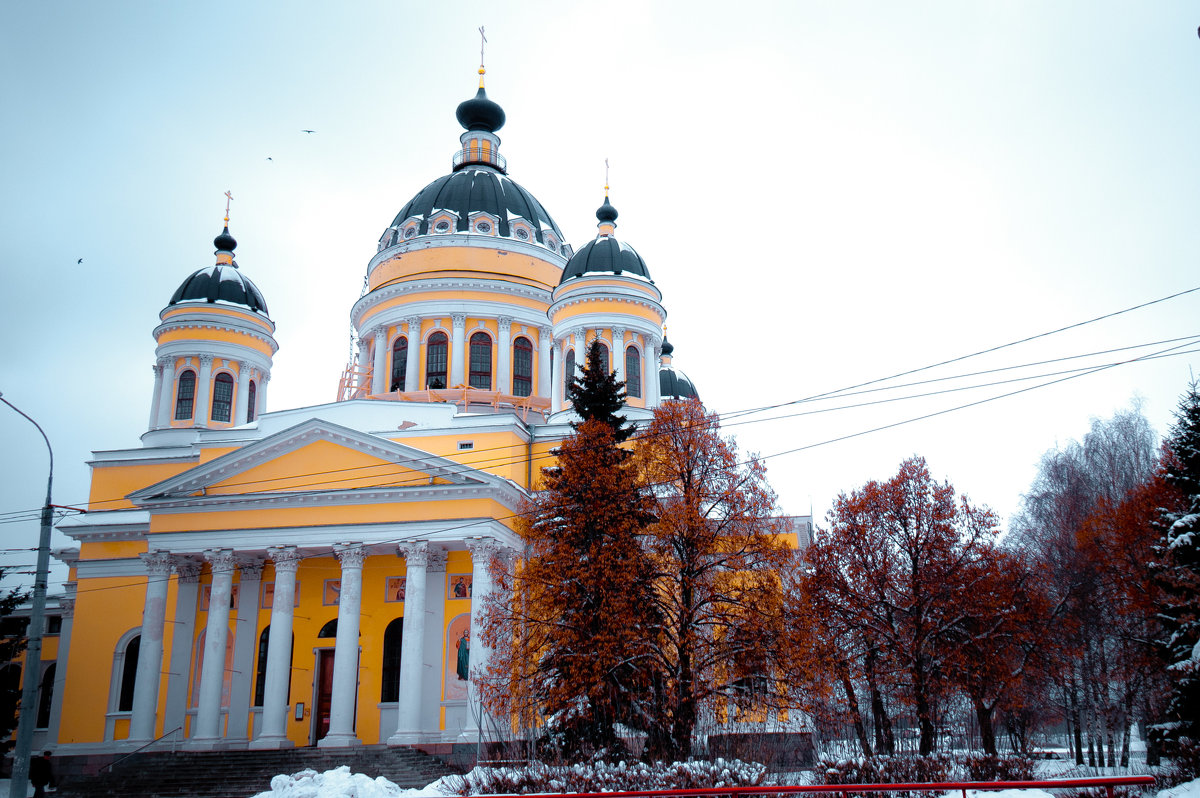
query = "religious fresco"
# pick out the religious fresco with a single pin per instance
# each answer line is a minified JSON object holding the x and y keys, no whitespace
{"x":395,"y":587}
{"x":458,"y":657}
{"x":458,"y":586}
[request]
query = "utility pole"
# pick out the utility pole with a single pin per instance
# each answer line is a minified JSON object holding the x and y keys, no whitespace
{"x":33,"y":649}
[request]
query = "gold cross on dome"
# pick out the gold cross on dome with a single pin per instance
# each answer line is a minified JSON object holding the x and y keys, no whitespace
{"x":228,"y":199}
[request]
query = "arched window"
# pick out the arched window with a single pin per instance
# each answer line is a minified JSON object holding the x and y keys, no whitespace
{"x":522,"y":384}
{"x":222,"y":403}
{"x":633,"y":372}
{"x":329,"y":629}
{"x":46,"y":695}
{"x":481,"y":362}
{"x":129,"y":674}
{"x":185,"y":395}
{"x":568,"y":370}
{"x":604,"y":362}
{"x":392,"y":638}
{"x":260,"y":672}
{"x":435,"y":360}
{"x":251,"y":401}
{"x":399,"y":364}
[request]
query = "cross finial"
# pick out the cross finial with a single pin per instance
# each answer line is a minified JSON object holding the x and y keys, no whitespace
{"x":606,"y":178}
{"x":228,"y":199}
{"x":482,"y":42}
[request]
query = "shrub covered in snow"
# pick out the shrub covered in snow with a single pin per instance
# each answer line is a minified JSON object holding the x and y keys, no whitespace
{"x":606,"y":777}
{"x":920,"y":769}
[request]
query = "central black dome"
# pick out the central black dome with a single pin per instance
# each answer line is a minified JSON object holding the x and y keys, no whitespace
{"x":469,"y":191}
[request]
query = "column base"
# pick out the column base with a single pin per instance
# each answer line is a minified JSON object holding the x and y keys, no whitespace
{"x":204,"y":744}
{"x":408,"y":738}
{"x":339,"y":741}
{"x":270,"y":743}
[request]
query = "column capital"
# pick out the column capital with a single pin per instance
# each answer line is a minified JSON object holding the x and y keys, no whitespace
{"x":415,"y":553}
{"x":286,"y":558}
{"x":156,"y":369}
{"x":483,"y":549}
{"x":67,"y":606}
{"x":205,"y":360}
{"x":504,"y":323}
{"x":164,"y":361}
{"x":380,"y":332}
{"x":545,"y":331}
{"x":251,"y":568}
{"x":618,"y":334}
{"x":458,"y":320}
{"x":436,"y":559}
{"x":221,"y":559}
{"x":187,"y":569}
{"x":158,"y":563}
{"x":414,"y":325}
{"x":350,"y":555}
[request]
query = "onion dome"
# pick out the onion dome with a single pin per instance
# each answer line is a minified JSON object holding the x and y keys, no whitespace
{"x":480,"y":113}
{"x":673,"y":383}
{"x":479,"y":190}
{"x":222,"y":282}
{"x":605,"y":254}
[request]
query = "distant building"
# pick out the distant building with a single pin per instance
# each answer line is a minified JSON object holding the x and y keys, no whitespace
{"x":252,"y":577}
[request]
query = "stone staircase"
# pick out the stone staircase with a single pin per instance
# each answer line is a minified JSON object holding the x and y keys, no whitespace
{"x":241,"y":774}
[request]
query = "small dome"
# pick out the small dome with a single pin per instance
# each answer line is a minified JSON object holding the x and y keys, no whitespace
{"x":480,"y":113}
{"x":221,"y":283}
{"x":606,"y":212}
{"x":605,"y":255}
{"x":667,"y":348}
{"x":472,"y":190}
{"x":674,"y":384}
{"x":225,"y":242}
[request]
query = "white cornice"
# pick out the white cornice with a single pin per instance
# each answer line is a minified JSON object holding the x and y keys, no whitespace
{"x":633,"y":286}
{"x":473,"y":240}
{"x":220,"y":326}
{"x":496,"y":286}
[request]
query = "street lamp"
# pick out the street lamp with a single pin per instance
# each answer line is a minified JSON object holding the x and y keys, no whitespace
{"x":33,"y":649}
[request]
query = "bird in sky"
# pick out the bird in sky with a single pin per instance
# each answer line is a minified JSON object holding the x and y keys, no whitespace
{"x":79,"y":261}
{"x":308,"y":131}
{"x":269,"y":158}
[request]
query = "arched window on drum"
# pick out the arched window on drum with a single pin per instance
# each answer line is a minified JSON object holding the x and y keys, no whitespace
{"x":435,"y":360}
{"x":399,"y":364}
{"x":481,"y":362}
{"x":633,"y":372}
{"x":522,"y":367}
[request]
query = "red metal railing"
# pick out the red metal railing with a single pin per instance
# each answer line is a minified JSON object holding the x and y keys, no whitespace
{"x":845,"y":790}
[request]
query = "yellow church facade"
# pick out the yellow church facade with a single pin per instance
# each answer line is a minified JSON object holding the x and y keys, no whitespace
{"x":252,"y":577}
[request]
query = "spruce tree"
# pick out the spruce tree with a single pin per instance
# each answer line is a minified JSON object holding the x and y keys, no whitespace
{"x":597,"y":393}
{"x":12,"y":643}
{"x":1180,"y":580}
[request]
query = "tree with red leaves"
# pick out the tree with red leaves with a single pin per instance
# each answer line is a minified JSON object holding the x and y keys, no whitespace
{"x":903,"y":559}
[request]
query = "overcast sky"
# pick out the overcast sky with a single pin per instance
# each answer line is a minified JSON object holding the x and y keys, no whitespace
{"x":826,"y":193}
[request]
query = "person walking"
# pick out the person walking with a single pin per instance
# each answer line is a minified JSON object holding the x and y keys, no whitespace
{"x":40,"y":774}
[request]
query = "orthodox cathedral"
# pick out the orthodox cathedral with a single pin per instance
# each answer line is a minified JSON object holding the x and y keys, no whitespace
{"x":249,"y":577}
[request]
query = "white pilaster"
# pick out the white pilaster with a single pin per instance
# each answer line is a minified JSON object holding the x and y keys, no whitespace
{"x":273,"y":730}
{"x":545,"y":346}
{"x":617,"y":355}
{"x":458,"y":350}
{"x":412,"y":373}
{"x":345,"y":655}
{"x":412,"y":650}
{"x":482,"y":550}
{"x":67,"y":606}
{"x":202,"y":412}
{"x":504,"y":358}
{"x":262,"y":394}
{"x":156,"y":400}
{"x":245,"y":641}
{"x":183,"y":635}
{"x":378,"y":377}
{"x":653,"y":353}
{"x":166,"y":403}
{"x":207,"y":734}
{"x":556,"y":392}
{"x":243,"y":391}
{"x":149,"y":667}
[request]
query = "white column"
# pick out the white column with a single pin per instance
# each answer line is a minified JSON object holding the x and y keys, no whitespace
{"x":243,"y":391}
{"x":504,"y":361}
{"x":482,"y":550}
{"x":67,"y":606}
{"x":262,"y":394}
{"x":207,"y":735}
{"x":156,"y":400}
{"x":617,"y":355}
{"x":201,"y":412}
{"x":273,"y":731}
{"x":149,"y":667}
{"x":245,"y":641}
{"x":183,"y":635}
{"x":412,"y":371}
{"x":166,"y":404}
{"x":653,"y":352}
{"x":458,"y":350}
{"x":378,"y":375}
{"x":556,"y":391}
{"x":545,"y":346}
{"x":345,"y":654}
{"x":434,"y":640}
{"x":412,"y":648}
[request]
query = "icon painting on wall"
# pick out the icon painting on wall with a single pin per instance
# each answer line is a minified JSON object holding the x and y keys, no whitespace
{"x":458,"y":657}
{"x":331,"y":592}
{"x":458,"y":586}
{"x":395,"y":588}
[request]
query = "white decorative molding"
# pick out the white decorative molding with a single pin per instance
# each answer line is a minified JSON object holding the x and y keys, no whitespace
{"x":415,"y":553}
{"x":350,"y":555}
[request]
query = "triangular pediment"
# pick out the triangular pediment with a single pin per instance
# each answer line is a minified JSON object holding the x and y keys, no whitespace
{"x":315,"y":455}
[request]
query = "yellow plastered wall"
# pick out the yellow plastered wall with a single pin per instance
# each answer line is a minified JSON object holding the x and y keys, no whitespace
{"x":112,"y":483}
{"x":444,"y":262}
